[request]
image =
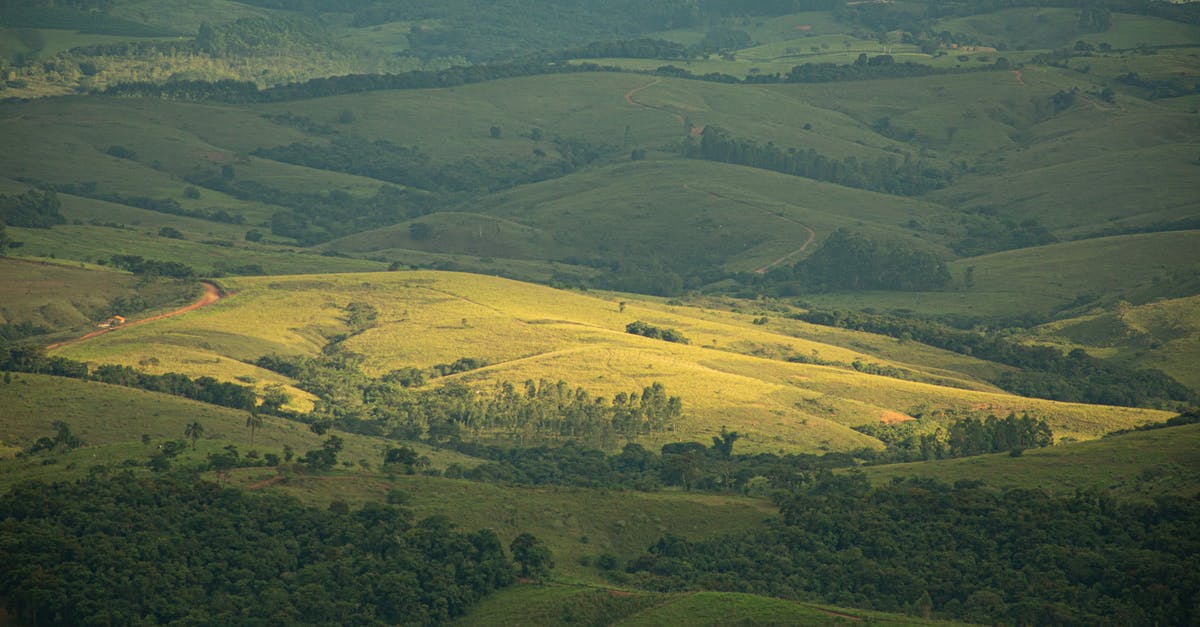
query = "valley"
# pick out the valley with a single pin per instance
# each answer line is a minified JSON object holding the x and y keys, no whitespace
{"x":613,"y":313}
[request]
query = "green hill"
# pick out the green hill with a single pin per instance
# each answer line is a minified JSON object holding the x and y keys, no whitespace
{"x":1139,"y":465}
{"x":1046,"y":281}
{"x":545,"y":604}
{"x":735,"y":373}
{"x":1159,"y":334}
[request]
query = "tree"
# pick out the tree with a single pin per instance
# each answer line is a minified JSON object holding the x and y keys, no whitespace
{"x":6,"y":242}
{"x":274,"y":397}
{"x":194,"y":431}
{"x":532,"y":554}
{"x":325,"y":457}
{"x":255,"y":422}
{"x":723,"y":445}
{"x":495,"y":132}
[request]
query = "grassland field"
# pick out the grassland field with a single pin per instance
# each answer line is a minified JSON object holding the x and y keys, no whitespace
{"x":111,"y":420}
{"x":1001,"y":133}
{"x":1095,"y":172}
{"x":1160,"y":334}
{"x":549,"y":603}
{"x":1140,"y":465}
{"x":524,"y":332}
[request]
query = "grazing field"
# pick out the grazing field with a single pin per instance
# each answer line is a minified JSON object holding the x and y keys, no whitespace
{"x":60,"y":296}
{"x":554,"y":603}
{"x":1161,"y":334}
{"x":685,"y":212}
{"x":574,"y":522}
{"x":1047,"y":280}
{"x":732,"y":374}
{"x":112,"y":421}
{"x":1139,"y":465}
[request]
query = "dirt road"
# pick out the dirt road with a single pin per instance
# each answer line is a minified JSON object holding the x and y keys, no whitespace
{"x":803,"y":247}
{"x":695,"y":131}
{"x":212,"y":294}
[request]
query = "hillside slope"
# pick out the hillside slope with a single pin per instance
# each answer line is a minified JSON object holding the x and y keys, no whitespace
{"x":733,"y":374}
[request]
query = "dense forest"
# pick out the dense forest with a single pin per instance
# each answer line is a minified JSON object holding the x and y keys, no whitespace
{"x":125,"y":550}
{"x":963,"y":552}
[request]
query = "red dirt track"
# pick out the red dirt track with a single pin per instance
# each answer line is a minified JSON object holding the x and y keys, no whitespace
{"x":696,"y":130}
{"x":212,"y":294}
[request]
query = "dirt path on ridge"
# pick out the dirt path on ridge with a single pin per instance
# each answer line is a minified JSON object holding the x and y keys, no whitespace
{"x":212,"y":294}
{"x":629,"y":98}
{"x":803,"y":247}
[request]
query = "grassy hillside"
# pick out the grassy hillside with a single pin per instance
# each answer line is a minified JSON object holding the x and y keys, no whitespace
{"x":1138,"y":465}
{"x":1160,"y":334}
{"x":112,"y":421}
{"x":552,"y":603}
{"x":58,"y":296}
{"x":1047,"y":279}
{"x":574,"y":522}
{"x":732,"y":374}
{"x":663,"y":224}
{"x":683,"y":214}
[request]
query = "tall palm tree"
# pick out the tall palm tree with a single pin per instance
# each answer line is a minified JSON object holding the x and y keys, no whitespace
{"x":194,"y":431}
{"x":254,"y":421}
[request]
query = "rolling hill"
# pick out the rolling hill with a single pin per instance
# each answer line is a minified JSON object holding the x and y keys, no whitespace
{"x":733,"y":374}
{"x":538,"y":255}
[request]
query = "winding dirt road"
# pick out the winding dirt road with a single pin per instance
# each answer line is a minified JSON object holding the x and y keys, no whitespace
{"x":803,"y":247}
{"x":212,"y":294}
{"x":629,"y":98}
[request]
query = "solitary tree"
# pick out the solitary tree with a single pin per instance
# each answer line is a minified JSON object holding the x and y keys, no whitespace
{"x":194,"y":431}
{"x":532,"y":554}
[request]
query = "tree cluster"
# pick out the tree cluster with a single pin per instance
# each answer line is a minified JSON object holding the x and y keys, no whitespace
{"x":314,"y":217}
{"x":908,"y":177}
{"x":537,"y":411}
{"x":645,"y":329}
{"x":409,"y":166}
{"x":159,"y":205}
{"x":133,"y":551}
{"x":152,"y":267}
{"x":912,"y":441}
{"x":33,"y":209}
{"x":32,"y":358}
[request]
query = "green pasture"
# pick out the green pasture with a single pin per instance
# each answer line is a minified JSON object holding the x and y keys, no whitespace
{"x":186,"y":16}
{"x":112,"y":421}
{"x":722,"y":215}
{"x":1175,"y":64}
{"x":574,"y":522}
{"x":72,"y":297}
{"x":1139,"y":465}
{"x":88,"y":243}
{"x":732,"y":375}
{"x":1161,"y":334}
{"x":553,"y":603}
{"x":1048,"y":279}
{"x":54,"y":40}
{"x":1048,"y":28}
